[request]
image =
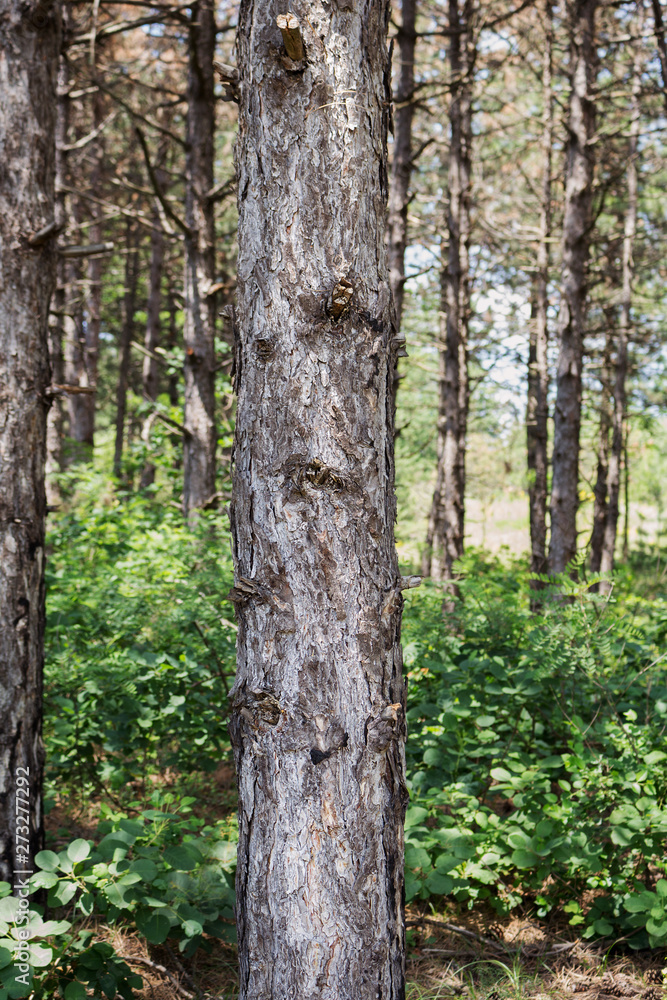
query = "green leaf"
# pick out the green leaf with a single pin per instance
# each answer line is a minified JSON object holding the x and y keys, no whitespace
{"x":78,"y":850}
{"x":661,"y":887}
{"x":75,"y":991}
{"x":192,"y":927}
{"x":484,"y":721}
{"x":439,"y":884}
{"x":44,"y":880}
{"x":182,"y":858}
{"x":525,"y":859}
{"x":154,"y":927}
{"x":47,"y":861}
{"x":146,"y":869}
{"x":654,"y":757}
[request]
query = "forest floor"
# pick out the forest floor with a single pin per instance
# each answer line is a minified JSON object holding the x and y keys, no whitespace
{"x":471,"y":955}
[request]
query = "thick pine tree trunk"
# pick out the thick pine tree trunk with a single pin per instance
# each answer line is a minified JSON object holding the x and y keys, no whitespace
{"x":572,"y":315}
{"x":318,"y":718}
{"x":401,"y":164}
{"x":29,"y":41}
{"x":446,"y":521}
{"x":199,"y":330}
{"x":619,"y":415}
{"x":538,"y":362}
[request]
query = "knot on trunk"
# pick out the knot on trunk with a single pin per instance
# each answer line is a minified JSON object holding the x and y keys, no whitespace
{"x":384,"y":727}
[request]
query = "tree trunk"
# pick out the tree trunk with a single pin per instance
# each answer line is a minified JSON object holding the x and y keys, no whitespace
{"x":572,"y":315}
{"x":602,"y":474}
{"x":79,"y":448}
{"x":150,"y":372}
{"x":448,"y":506}
{"x":401,"y":164}
{"x":125,"y":343}
{"x":199,"y":330}
{"x":318,"y":718}
{"x":620,"y":408}
{"x":660,"y":39}
{"x":94,"y":303}
{"x":55,"y":417}
{"x":29,"y":43}
{"x":537,"y":415}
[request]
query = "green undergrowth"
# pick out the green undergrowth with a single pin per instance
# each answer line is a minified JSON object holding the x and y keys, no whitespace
{"x":537,"y":754}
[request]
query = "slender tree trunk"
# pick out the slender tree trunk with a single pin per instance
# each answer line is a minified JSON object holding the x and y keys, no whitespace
{"x":94,"y":297}
{"x":55,"y":418}
{"x":318,"y":704}
{"x":199,"y":332}
{"x":572,"y":315}
{"x":448,"y":507}
{"x":626,"y":492}
{"x":127,"y":333}
{"x":601,"y":479}
{"x":150,"y":373}
{"x":538,"y":362}
{"x":172,"y":384}
{"x":401,"y":164}
{"x":75,"y":354}
{"x":660,"y":39}
{"x":29,"y":44}
{"x":624,"y":326}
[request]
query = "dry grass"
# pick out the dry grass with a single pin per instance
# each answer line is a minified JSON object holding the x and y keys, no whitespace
{"x":516,"y":960}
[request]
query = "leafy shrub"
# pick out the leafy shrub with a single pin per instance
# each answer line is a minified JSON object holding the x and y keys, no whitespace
{"x":535,"y":757}
{"x":140,"y":643}
{"x":163,"y":873}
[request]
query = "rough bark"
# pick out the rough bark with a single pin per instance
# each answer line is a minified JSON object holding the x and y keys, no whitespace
{"x":318,"y":705}
{"x":446,"y":522}
{"x":199,"y":327}
{"x":537,"y":414}
{"x":572,"y":314}
{"x":29,"y":43}
{"x":401,"y":164}
{"x":624,"y":327}
{"x":124,"y":345}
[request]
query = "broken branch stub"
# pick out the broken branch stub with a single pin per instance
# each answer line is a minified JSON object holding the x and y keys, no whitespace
{"x":290,"y":29}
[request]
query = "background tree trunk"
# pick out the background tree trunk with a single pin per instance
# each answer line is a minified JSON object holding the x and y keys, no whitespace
{"x":125,"y":343}
{"x":55,"y":417}
{"x":600,"y":488}
{"x":150,"y":372}
{"x":401,"y":164}
{"x":572,"y":315}
{"x":537,"y":414}
{"x":199,"y":331}
{"x":318,"y":704}
{"x":619,"y":415}
{"x":29,"y":43}
{"x":446,"y":523}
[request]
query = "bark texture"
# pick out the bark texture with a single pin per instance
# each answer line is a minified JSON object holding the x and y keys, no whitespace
{"x":537,"y":411}
{"x":318,"y":705}
{"x":446,"y":521}
{"x":199,"y":326}
{"x":572,"y":314}
{"x":401,"y":164}
{"x":29,"y":41}
{"x":602,"y":473}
